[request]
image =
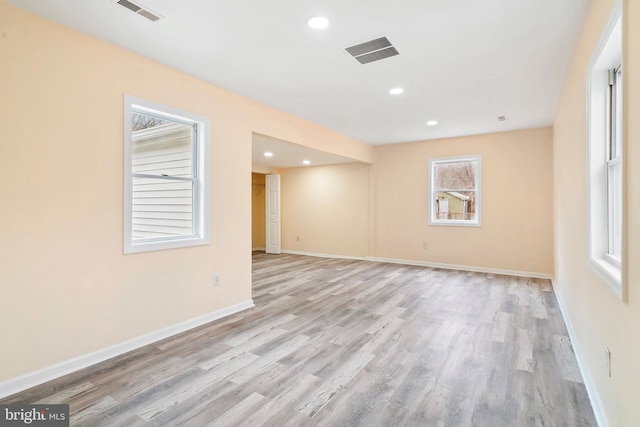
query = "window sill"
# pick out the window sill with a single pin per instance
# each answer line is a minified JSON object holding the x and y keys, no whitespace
{"x":609,"y":273}
{"x":166,"y":244}
{"x":454,"y":223}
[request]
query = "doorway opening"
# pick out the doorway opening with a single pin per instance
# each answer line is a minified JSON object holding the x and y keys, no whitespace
{"x":258,"y":212}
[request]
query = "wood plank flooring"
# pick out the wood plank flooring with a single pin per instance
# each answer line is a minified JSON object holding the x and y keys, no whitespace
{"x":349,"y":343}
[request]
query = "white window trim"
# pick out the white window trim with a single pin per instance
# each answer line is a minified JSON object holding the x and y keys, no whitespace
{"x":202,"y":205}
{"x":606,"y":56}
{"x":614,"y":157}
{"x":431,"y":205}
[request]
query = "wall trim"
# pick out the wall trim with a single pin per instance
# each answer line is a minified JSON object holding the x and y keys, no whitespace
{"x":258,"y":249}
{"x":471,"y":268}
{"x":430,"y":264}
{"x":41,"y":376}
{"x":592,"y":392}
{"x":319,"y":255}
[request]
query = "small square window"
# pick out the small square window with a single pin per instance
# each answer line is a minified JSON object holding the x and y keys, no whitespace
{"x":455,"y":191}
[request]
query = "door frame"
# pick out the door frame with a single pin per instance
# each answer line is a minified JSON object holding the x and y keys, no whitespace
{"x":273,"y":240}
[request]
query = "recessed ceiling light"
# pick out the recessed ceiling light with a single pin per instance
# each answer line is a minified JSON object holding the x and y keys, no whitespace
{"x":318,"y":22}
{"x":306,"y":162}
{"x":432,"y":122}
{"x":268,"y":154}
{"x":396,"y":91}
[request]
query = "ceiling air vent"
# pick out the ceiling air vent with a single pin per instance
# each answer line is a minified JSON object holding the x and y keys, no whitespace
{"x":373,"y":50}
{"x":151,"y":16}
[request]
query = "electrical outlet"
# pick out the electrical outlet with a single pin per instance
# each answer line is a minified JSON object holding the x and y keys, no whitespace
{"x":424,"y":245}
{"x":298,"y":238}
{"x":216,"y":279}
{"x":607,"y":360}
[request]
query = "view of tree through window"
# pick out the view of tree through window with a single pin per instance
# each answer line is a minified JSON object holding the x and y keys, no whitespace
{"x":454,"y":190}
{"x":456,"y":175}
{"x":143,"y":121}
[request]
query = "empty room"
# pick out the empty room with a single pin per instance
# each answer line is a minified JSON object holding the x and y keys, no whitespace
{"x":319,"y":213}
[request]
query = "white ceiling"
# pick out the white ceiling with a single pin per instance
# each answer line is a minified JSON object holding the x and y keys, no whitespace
{"x":462,"y":62}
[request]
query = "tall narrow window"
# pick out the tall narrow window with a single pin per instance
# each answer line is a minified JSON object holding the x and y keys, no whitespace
{"x":605,"y":144}
{"x":166,"y":177}
{"x":455,"y":196}
{"x":614,"y":163}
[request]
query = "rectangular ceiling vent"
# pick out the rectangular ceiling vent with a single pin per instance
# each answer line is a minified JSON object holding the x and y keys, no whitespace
{"x":151,"y":16}
{"x":373,"y":50}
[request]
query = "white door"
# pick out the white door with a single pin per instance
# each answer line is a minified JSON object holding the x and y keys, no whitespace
{"x":273,"y":213}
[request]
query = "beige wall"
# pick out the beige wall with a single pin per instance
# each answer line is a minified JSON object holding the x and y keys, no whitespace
{"x":327,"y":207}
{"x":67,"y":288}
{"x":258,"y":214}
{"x":517,"y":228}
{"x":598,"y":318}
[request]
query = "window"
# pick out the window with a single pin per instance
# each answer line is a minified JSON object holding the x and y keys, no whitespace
{"x":166,"y":177}
{"x":455,"y":191}
{"x":614,"y":163}
{"x":605,"y":158}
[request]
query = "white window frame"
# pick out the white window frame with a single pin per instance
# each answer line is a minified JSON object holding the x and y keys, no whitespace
{"x":607,"y":56}
{"x":432,"y":205}
{"x":201,"y":175}
{"x":614,"y":160}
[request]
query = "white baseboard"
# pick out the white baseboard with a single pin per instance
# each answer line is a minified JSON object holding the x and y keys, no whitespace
{"x":474,"y":269}
{"x":324,"y":255}
{"x":594,"y":397}
{"x":430,"y":264}
{"x":32,"y":379}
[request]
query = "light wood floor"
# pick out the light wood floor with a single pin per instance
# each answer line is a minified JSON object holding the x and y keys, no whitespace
{"x":349,"y":343}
